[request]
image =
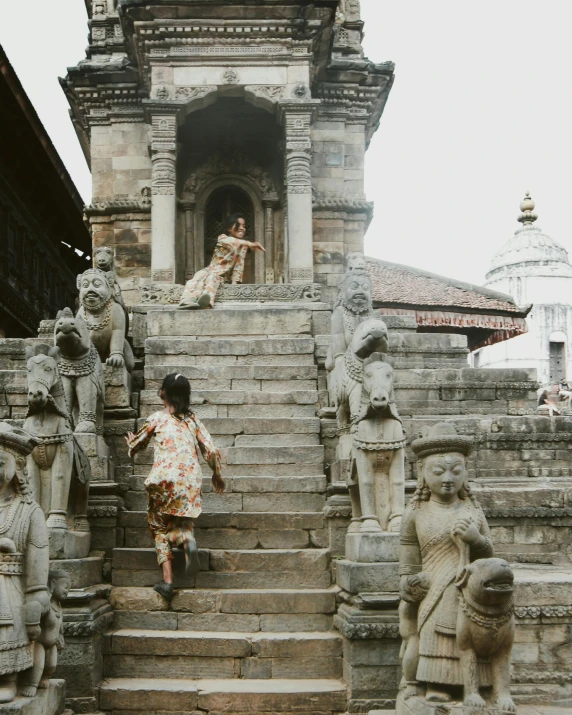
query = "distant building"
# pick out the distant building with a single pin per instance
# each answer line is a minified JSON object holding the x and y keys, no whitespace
{"x":445,"y":305}
{"x":534,"y":268}
{"x":41,"y":221}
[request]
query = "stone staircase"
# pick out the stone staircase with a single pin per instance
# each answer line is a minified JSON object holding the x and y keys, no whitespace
{"x":255,"y":635}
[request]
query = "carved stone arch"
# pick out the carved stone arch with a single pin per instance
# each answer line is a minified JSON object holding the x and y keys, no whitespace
{"x":264,"y":97}
{"x":198,"y":200}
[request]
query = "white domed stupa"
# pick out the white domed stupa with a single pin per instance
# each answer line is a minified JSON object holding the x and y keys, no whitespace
{"x":534,"y":268}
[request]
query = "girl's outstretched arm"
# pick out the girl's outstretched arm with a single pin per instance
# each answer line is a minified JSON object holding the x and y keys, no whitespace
{"x":138,"y":441}
{"x":210,"y":454}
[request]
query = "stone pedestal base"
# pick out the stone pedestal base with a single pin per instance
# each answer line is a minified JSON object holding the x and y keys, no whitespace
{"x":419,"y":706}
{"x":356,"y":577}
{"x":83,"y":572}
{"x":372,"y":548}
{"x":117,"y":387}
{"x":48,"y":701}
{"x":66,"y":544}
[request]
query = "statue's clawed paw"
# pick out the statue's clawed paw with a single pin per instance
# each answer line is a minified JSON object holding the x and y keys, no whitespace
{"x":506,"y":704}
{"x":474,"y":701}
{"x":86,"y":427}
{"x":29,"y":691}
{"x":115,"y":361}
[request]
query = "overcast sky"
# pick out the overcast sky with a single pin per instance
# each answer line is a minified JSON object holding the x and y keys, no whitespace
{"x":479,"y":113}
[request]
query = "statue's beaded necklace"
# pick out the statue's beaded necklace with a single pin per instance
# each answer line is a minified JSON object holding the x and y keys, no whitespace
{"x":77,"y":368}
{"x":106,"y":318}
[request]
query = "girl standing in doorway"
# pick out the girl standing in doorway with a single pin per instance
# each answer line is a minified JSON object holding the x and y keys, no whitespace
{"x":174,"y":483}
{"x":226,"y":266}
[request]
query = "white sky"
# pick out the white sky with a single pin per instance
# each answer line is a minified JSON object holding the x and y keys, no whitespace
{"x":480,"y":112}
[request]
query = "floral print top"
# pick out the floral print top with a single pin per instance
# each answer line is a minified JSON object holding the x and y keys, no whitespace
{"x":174,"y":483}
{"x":228,"y":258}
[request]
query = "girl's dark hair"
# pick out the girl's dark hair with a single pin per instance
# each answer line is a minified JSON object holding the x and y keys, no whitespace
{"x":177,"y":392}
{"x":231,"y":221}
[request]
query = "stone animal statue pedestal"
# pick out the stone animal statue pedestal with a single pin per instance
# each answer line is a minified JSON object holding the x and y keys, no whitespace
{"x":419,"y":706}
{"x":117,"y":387}
{"x":372,"y":548}
{"x":69,"y":544}
{"x":47,"y":701}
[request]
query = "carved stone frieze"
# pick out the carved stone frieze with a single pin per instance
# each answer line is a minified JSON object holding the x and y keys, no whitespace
{"x":337,"y":511}
{"x":233,"y":162}
{"x":163,"y":275}
{"x":543,"y":611}
{"x":121,"y":203}
{"x":260,"y":293}
{"x":300,"y":275}
{"x":365,"y":631}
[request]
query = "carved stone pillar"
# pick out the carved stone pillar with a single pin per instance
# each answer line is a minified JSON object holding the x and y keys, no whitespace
{"x":269,"y":201}
{"x":189,"y":254}
{"x":297,"y":118}
{"x":163,"y":198}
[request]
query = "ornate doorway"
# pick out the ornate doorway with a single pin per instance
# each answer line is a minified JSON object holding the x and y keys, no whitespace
{"x":221,"y":203}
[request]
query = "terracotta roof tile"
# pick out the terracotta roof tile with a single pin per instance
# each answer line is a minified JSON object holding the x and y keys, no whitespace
{"x":397,"y":284}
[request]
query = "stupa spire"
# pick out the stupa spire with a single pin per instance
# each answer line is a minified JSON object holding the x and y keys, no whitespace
{"x":527,"y":217}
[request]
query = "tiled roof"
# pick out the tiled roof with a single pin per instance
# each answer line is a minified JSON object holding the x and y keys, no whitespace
{"x":395,"y":284}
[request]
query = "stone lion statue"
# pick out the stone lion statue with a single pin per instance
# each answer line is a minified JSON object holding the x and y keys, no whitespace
{"x":104,"y":317}
{"x":81,"y":372}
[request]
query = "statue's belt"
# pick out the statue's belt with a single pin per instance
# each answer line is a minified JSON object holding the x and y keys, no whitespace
{"x":54,"y":438}
{"x":11,"y":564}
{"x":379,"y":446}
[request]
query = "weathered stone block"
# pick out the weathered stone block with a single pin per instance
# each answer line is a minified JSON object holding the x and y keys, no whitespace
{"x":271,"y":321}
{"x":368,"y":578}
{"x":370,"y":548}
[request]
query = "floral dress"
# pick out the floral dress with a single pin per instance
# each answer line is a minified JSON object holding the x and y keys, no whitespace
{"x":174,"y":483}
{"x":226,"y":266}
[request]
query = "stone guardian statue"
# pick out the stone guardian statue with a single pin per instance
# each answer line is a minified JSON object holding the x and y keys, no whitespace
{"x":456,"y":613}
{"x":24,"y":561}
{"x":104,"y":317}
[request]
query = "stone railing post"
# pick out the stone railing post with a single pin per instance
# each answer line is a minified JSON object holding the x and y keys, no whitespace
{"x":188,"y":207}
{"x":297,"y":120}
{"x":163,"y":194}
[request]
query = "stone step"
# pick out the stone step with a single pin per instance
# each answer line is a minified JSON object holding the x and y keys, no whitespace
{"x":255,"y":425}
{"x":227,"y":569}
{"x":209,"y":644}
{"x":236,"y":560}
{"x":249,"y":502}
{"x":222,"y":622}
{"x":239,"y":347}
{"x":230,"y":322}
{"x":231,"y":394}
{"x":233,"y":602}
{"x":188,"y":654}
{"x":314,"y":484}
{"x":289,"y":410}
{"x":219,"y":580}
{"x":233,"y":372}
{"x":232,"y":696}
{"x":172,"y":362}
{"x":259,"y":456}
{"x":264,"y":521}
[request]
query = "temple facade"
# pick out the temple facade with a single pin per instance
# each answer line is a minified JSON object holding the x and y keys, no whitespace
{"x":534,"y":269}
{"x":191,"y":111}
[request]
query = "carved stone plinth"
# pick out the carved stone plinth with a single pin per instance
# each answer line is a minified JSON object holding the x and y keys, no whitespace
{"x":48,"y":701}
{"x":87,"y":616}
{"x":370,"y":631}
{"x":372,"y":548}
{"x":357,"y":577}
{"x":98,"y":454}
{"x":69,"y":544}
{"x":419,"y":706}
{"x":83,"y":572}
{"x":117,"y":387}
